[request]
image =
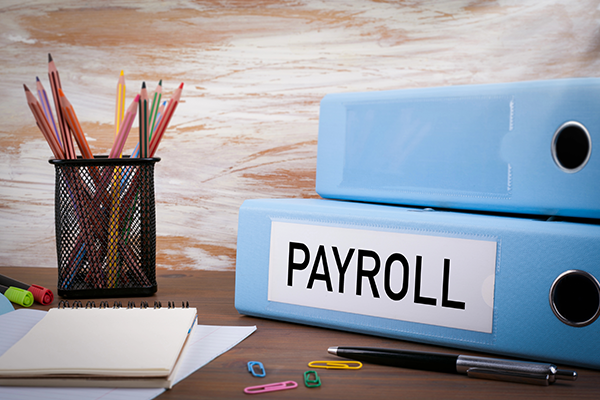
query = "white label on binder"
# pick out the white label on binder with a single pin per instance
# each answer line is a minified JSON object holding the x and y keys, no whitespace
{"x":436,"y":280}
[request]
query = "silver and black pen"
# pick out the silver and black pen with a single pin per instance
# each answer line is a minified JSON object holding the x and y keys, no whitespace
{"x":475,"y":367}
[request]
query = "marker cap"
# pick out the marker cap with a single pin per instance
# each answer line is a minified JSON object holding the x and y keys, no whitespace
{"x":41,"y":294}
{"x":19,"y":296}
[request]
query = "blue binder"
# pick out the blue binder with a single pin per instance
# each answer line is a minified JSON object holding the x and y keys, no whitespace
{"x":513,"y":286}
{"x":527,"y":147}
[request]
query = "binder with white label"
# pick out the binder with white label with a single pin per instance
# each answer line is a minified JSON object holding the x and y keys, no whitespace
{"x":507,"y":285}
{"x":525,"y":147}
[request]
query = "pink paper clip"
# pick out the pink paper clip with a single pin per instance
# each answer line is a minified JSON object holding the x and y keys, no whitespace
{"x":271,"y":387}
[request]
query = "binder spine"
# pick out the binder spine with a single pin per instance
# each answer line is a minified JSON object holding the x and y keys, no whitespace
{"x":343,"y":265}
{"x":523,"y":147}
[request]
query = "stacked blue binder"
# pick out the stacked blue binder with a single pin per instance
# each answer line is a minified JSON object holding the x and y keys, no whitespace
{"x":462,"y":216}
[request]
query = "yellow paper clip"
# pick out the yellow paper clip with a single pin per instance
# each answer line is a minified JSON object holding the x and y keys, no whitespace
{"x":335,"y":364}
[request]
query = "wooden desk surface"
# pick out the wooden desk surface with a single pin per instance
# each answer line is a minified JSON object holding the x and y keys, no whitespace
{"x":285,"y":350}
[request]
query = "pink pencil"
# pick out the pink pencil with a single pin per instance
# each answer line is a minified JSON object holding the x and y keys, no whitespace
{"x":42,"y":122}
{"x":117,"y":148}
{"x":164,"y":122}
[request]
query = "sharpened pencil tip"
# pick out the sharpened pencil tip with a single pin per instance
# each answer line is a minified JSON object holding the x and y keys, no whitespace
{"x":122,"y":73}
{"x":37,"y":79}
{"x":60,"y":92}
{"x":160,"y":83}
{"x":181,"y":86}
{"x":49,"y":57}
{"x":25,"y":87}
{"x":143,"y":85}
{"x":137,"y":98}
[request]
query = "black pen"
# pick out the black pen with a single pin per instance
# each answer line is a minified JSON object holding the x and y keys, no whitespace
{"x":475,"y":367}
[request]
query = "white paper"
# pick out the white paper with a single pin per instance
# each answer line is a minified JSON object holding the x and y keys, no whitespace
{"x":127,"y":342}
{"x":206,"y":344}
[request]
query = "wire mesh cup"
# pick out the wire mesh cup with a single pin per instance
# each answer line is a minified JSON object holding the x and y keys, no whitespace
{"x":105,"y":227}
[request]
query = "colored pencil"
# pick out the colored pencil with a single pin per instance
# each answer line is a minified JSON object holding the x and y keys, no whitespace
{"x":43,"y":97}
{"x":161,"y":111}
{"x":43,"y":125}
{"x":73,"y":122}
{"x":125,"y":128}
{"x":143,"y":117}
{"x":154,"y":108}
{"x":115,"y":189}
{"x":136,"y":151}
{"x":120,"y":105}
{"x":166,"y":118}
{"x":67,"y":140}
{"x":113,"y":228}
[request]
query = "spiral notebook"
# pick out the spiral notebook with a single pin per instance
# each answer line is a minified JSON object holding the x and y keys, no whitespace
{"x":100,"y":347}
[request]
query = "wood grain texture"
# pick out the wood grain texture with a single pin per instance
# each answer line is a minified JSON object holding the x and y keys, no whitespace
{"x":254,"y":75}
{"x":285,"y":350}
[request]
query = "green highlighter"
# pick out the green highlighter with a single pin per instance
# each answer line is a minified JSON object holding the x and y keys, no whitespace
{"x":17,"y":295}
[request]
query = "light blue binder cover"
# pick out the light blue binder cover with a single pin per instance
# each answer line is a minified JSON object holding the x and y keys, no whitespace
{"x":530,"y":255}
{"x":477,"y":147}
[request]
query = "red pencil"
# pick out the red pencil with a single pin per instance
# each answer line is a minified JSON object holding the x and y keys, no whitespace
{"x":65,"y":135}
{"x":73,"y":123}
{"x":42,"y":122}
{"x":164,"y":122}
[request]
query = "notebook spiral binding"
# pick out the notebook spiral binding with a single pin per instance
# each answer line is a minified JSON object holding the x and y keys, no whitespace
{"x":117,"y":304}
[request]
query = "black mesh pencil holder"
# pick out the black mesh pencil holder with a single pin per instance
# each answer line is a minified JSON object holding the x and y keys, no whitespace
{"x":105,"y":227}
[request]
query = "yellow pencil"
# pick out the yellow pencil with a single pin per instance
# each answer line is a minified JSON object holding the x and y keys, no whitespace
{"x":120,"y":104}
{"x":113,"y":230}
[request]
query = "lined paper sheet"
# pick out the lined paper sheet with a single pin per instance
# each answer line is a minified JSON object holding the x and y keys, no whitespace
{"x":207,"y":343}
{"x":132,"y":342}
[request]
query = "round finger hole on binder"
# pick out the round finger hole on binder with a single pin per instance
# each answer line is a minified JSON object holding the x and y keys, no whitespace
{"x":575,"y":298}
{"x":571,"y":146}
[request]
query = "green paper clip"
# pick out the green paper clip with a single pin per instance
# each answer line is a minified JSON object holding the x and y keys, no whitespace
{"x":20,"y":296}
{"x":310,"y":383}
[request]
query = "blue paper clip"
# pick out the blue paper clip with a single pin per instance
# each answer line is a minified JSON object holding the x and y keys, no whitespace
{"x":310,"y":383}
{"x":251,"y":369}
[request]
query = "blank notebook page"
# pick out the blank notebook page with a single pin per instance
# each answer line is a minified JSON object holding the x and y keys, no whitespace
{"x":114,"y":342}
